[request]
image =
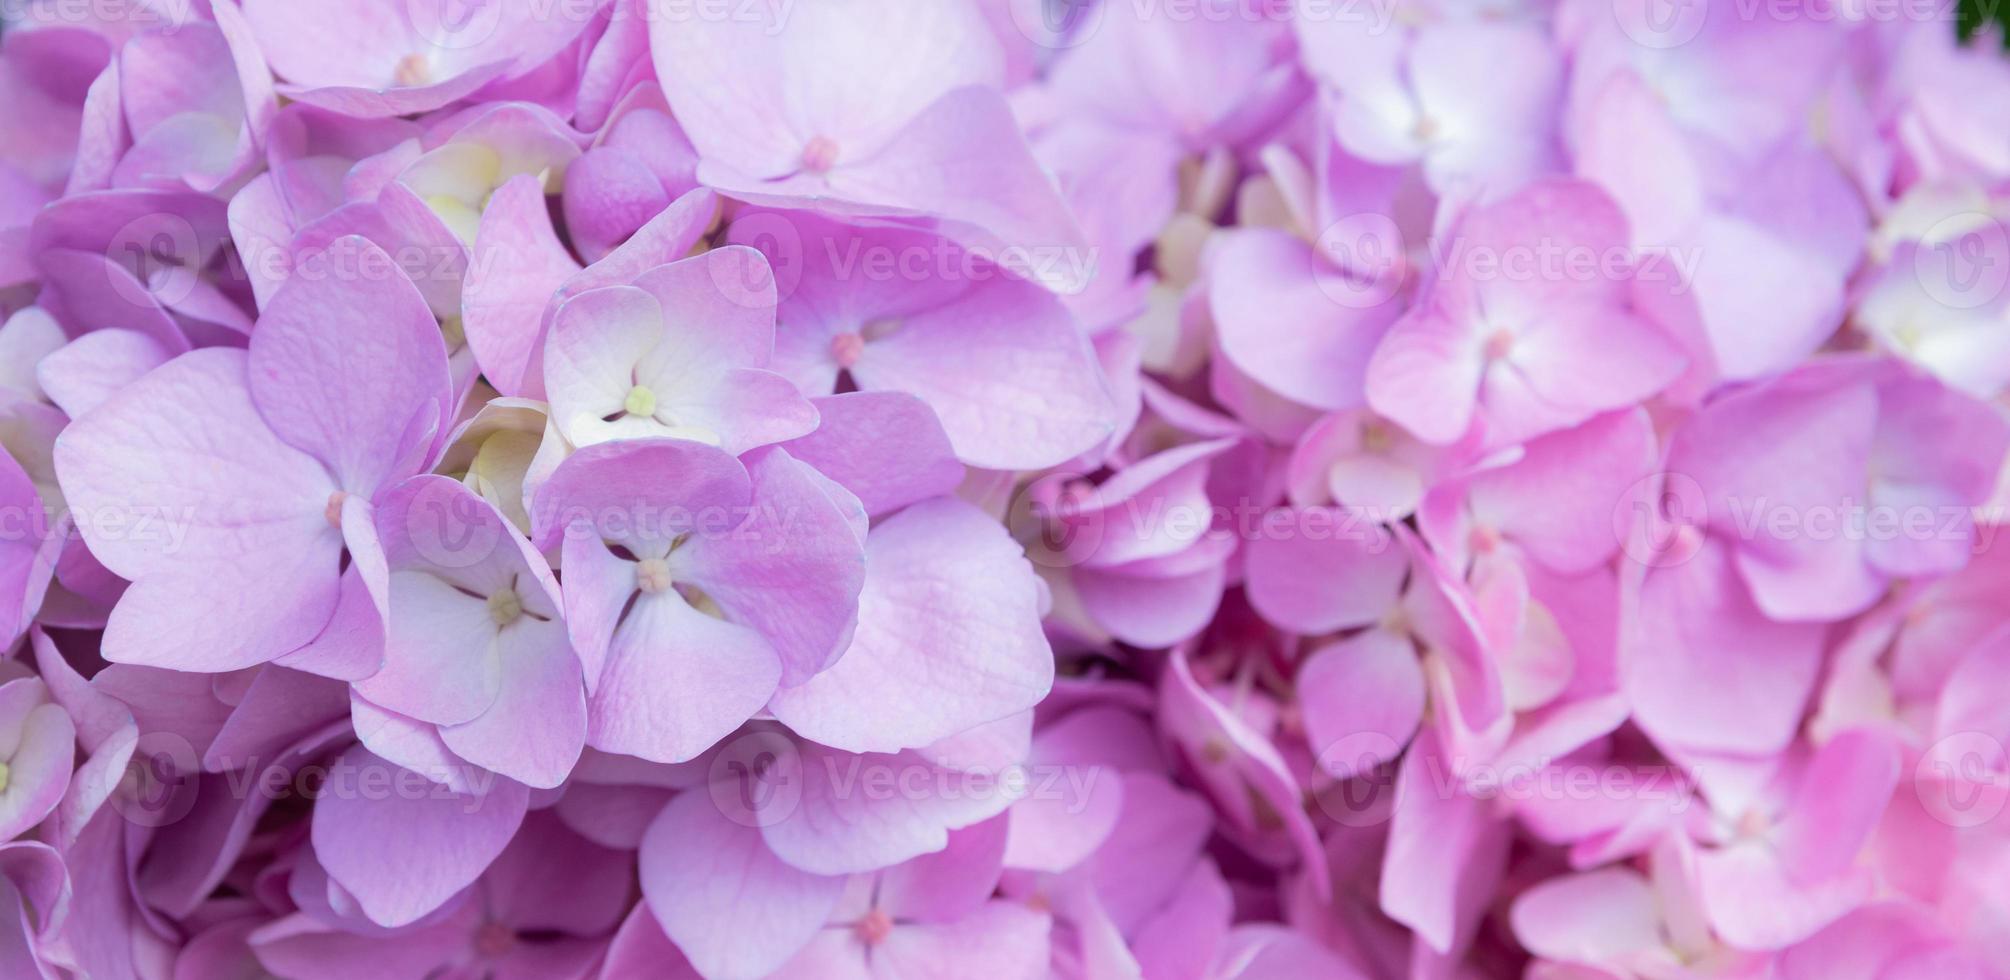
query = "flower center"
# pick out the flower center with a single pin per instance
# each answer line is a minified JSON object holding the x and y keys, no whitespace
{"x":5,"y":775}
{"x":1499,"y":345}
{"x":1425,"y":130}
{"x":494,"y":939}
{"x":846,"y":348}
{"x":1376,"y":438}
{"x":874,"y":928}
{"x":412,"y":70}
{"x":820,"y":154}
{"x":640,"y":401}
{"x":505,"y":607}
{"x":652,"y":576}
{"x":333,"y":512}
{"x":1753,"y":824}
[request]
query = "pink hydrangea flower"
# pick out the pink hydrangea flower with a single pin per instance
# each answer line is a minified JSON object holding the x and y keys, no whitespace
{"x":1222,"y":490}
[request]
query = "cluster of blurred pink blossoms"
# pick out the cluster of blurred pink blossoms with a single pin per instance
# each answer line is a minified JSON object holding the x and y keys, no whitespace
{"x":920,"y":489}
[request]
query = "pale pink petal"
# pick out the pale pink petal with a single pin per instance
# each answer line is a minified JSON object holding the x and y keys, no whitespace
{"x":402,"y":844}
{"x":349,"y":366}
{"x":712,"y":883}
{"x":886,"y":447}
{"x":1321,"y":569}
{"x":1595,"y":917}
{"x":1362,"y":698}
{"x":948,"y":637}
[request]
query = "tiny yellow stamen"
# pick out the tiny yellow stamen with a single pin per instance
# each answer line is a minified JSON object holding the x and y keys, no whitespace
{"x":640,"y":401}
{"x":412,"y":70}
{"x":652,"y":576}
{"x":1376,"y":438}
{"x":505,"y":607}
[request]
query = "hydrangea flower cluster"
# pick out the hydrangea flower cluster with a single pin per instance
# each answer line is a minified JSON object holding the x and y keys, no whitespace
{"x":1105,"y":489}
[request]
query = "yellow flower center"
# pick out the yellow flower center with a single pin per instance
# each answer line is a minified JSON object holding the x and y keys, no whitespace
{"x":640,"y":401}
{"x":412,"y":69}
{"x":505,"y":607}
{"x":652,"y":576}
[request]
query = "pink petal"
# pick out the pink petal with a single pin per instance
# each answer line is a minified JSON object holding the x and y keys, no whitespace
{"x":348,"y":365}
{"x":1083,"y":800}
{"x":886,"y":447}
{"x":1322,"y":569}
{"x":1446,"y":850}
{"x":821,"y":572}
{"x":1705,"y":669}
{"x":948,"y":637}
{"x":1595,"y":917}
{"x":835,"y":826}
{"x":1008,"y":937}
{"x":409,"y":846}
{"x":507,"y":292}
{"x":1291,"y":322}
{"x":90,"y":369}
{"x":677,"y":681}
{"x":1006,"y":369}
{"x":712,"y":883}
{"x":1841,"y":797}
{"x":898,"y":63}
{"x":535,"y":728}
{"x":949,"y":883}
{"x":1362,"y":699}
